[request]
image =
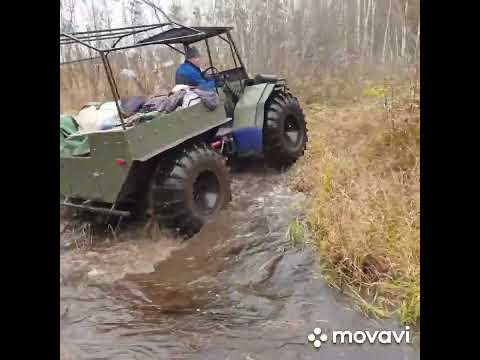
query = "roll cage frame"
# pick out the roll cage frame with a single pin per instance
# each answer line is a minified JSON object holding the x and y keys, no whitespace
{"x":174,"y":34}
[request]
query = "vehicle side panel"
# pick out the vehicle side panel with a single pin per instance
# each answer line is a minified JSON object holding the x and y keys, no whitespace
{"x":97,"y":177}
{"x":249,"y":111}
{"x":164,"y":132}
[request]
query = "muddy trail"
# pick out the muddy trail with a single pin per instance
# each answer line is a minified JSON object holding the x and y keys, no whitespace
{"x":237,"y":290}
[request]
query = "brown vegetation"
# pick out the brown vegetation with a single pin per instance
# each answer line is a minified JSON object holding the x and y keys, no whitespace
{"x":361,"y":171}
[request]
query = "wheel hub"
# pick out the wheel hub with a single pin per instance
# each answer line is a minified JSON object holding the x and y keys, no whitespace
{"x":292,"y":133}
{"x":206,"y":192}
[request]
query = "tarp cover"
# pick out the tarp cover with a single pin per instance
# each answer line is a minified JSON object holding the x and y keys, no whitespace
{"x":71,"y":147}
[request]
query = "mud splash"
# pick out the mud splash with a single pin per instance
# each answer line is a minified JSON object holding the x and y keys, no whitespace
{"x":237,"y":290}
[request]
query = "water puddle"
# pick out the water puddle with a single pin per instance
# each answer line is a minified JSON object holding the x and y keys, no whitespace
{"x":237,"y":290}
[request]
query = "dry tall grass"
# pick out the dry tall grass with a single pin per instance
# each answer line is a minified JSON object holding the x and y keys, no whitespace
{"x":361,"y":171}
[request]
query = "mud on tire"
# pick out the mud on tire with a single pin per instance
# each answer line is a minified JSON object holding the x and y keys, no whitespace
{"x":189,"y":189}
{"x":284,"y":130}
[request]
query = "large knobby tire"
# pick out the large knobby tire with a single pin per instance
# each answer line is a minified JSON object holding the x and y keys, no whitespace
{"x":190,"y":189}
{"x":284,"y":130}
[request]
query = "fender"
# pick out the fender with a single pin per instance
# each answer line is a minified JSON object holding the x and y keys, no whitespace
{"x":248,"y":118}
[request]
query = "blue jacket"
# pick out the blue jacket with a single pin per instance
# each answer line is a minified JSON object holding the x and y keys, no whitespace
{"x":189,"y":74}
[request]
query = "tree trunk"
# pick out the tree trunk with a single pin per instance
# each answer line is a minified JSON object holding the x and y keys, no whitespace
{"x":107,"y":15}
{"x":397,"y":47}
{"x":417,"y":42}
{"x":345,"y":23}
{"x":359,"y":14}
{"x":404,"y":30}
{"x":386,"y":31}
{"x":391,"y":53}
{"x":365,"y":30}
{"x":372,"y":32}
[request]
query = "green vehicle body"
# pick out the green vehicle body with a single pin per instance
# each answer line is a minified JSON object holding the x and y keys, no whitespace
{"x":103,"y":174}
{"x":249,"y":111}
{"x":169,"y":165}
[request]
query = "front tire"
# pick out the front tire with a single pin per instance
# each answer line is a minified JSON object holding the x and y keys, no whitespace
{"x":190,"y":189}
{"x":284,"y":130}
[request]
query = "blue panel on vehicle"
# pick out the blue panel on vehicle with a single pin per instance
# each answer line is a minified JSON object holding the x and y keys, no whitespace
{"x":248,"y":140}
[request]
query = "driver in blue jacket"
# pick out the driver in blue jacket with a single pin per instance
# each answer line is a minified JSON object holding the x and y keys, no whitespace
{"x":189,"y":72}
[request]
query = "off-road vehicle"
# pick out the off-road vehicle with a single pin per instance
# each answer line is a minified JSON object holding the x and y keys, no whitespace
{"x":172,"y":166}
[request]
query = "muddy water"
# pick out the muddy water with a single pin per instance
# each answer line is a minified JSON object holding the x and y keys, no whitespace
{"x":237,"y":290}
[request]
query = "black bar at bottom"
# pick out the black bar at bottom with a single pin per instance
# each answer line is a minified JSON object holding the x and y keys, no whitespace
{"x":97,"y":209}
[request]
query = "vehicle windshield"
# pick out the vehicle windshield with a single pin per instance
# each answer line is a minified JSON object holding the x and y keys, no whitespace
{"x":221,"y":59}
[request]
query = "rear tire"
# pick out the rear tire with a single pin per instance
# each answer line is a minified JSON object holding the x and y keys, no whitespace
{"x":284,"y":130}
{"x":189,"y":189}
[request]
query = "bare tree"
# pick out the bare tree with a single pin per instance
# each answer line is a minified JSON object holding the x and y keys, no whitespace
{"x":404,"y":30}
{"x":359,"y":14}
{"x":372,"y":29}
{"x":156,"y":8}
{"x":365,"y":28}
{"x":386,"y":31}
{"x":417,"y":42}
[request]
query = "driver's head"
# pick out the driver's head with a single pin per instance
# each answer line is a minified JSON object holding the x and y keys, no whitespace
{"x":193,"y":55}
